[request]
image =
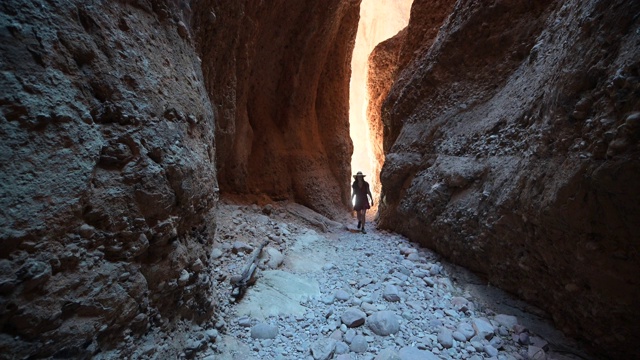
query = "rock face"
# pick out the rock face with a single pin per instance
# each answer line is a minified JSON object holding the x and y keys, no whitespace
{"x":107,"y":171}
{"x":511,"y":140}
{"x":278,"y":77}
{"x":383,"y":66}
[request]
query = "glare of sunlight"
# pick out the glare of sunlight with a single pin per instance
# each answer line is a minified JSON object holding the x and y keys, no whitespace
{"x":379,"y":20}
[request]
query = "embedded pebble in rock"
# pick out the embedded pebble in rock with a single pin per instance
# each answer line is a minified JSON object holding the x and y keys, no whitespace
{"x":264,"y":331}
{"x":409,"y":309}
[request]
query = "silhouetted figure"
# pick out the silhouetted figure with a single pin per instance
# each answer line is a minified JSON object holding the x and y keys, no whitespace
{"x":360,"y":192}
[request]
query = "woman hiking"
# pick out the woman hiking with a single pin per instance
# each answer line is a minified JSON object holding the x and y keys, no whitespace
{"x":360,"y":192}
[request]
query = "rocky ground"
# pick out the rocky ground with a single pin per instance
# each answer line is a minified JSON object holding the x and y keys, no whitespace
{"x":326,"y":291}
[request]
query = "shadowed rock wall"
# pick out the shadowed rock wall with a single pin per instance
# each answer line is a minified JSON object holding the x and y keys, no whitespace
{"x":278,"y":77}
{"x":511,"y":140}
{"x":107,"y":174}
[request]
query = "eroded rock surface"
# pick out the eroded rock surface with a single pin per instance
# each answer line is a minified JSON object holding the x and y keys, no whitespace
{"x":511,"y":144}
{"x":107,"y":175}
{"x":278,"y":76}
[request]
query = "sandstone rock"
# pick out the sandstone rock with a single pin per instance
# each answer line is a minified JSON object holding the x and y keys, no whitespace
{"x":448,"y":164}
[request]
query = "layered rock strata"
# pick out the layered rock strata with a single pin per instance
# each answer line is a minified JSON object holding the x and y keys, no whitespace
{"x":511,"y":140}
{"x":278,"y":77}
{"x":107,"y":173}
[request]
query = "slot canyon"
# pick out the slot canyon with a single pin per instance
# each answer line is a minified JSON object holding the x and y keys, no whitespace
{"x":149,"y":147}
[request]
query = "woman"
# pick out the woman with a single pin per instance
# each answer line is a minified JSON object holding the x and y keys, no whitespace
{"x":360,"y":192}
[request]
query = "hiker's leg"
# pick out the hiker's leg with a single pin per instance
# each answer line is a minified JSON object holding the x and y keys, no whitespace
{"x":364,"y":217}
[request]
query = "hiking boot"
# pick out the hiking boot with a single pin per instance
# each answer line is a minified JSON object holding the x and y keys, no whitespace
{"x":359,"y":224}
{"x":364,"y":232}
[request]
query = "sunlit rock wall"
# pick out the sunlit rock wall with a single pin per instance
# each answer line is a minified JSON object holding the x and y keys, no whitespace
{"x":379,"y":20}
{"x":107,"y":174}
{"x":278,"y":75}
{"x":511,"y":139}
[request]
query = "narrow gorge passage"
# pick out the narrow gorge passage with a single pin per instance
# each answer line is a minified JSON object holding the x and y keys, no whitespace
{"x":131,"y":129}
{"x":326,"y":291}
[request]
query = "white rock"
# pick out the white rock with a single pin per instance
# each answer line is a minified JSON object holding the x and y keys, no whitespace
{"x":341,"y":347}
{"x":490,"y":350}
{"x":388,"y":354}
{"x":536,"y":353}
{"x":342,"y":295}
{"x":445,"y":338}
{"x":264,"y":331}
{"x":275,"y":257}
{"x":483,"y":328}
{"x":507,"y":321}
{"x":413,"y":353}
{"x":459,"y":336}
{"x":216,"y":253}
{"x":359,"y":344}
{"x":391,"y":293}
{"x":184,"y":277}
{"x":466,"y":330}
{"x":323,"y":349}
{"x":383,"y":323}
{"x":353,"y":317}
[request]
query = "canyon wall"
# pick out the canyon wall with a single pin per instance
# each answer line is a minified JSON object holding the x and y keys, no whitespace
{"x":278,"y":78}
{"x":107,"y":175}
{"x":511,"y":141}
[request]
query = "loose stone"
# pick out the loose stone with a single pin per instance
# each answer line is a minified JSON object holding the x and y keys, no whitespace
{"x":353,"y":317}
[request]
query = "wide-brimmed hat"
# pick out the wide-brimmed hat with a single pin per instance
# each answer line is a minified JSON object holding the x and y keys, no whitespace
{"x":358,"y":174}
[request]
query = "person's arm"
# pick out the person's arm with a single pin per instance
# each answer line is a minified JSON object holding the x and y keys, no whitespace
{"x":370,"y":196}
